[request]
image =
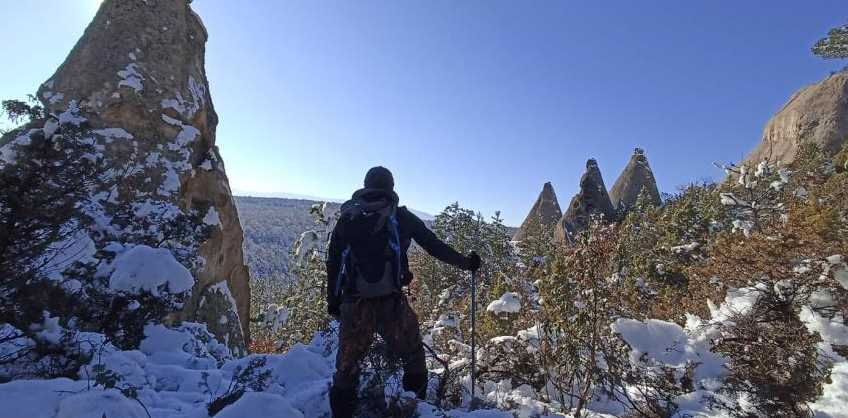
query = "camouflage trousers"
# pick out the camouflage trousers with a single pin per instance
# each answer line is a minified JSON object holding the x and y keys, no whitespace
{"x":394,"y":320}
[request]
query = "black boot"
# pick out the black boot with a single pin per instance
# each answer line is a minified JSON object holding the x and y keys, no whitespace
{"x":342,"y":402}
{"x":416,"y":382}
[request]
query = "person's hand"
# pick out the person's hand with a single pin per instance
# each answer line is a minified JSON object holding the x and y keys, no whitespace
{"x":473,"y":262}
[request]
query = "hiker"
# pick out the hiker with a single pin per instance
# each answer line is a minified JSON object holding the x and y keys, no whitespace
{"x":366,"y":268}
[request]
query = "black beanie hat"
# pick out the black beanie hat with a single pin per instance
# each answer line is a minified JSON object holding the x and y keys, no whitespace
{"x":380,"y":178}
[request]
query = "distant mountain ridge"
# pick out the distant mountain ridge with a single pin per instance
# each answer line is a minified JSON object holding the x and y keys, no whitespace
{"x":315,"y":199}
{"x":273,"y":224}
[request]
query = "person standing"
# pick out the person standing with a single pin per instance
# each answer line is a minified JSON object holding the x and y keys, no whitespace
{"x":367,"y":267}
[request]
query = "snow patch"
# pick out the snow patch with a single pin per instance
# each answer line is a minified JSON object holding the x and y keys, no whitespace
{"x":99,"y":404}
{"x":143,"y":268}
{"x":36,"y":398}
{"x":255,"y":404}
{"x":131,"y":77}
{"x":509,"y":302}
{"x":8,"y":154}
{"x":113,"y":133}
{"x":683,"y":249}
{"x":276,"y":316}
{"x":212,"y":217}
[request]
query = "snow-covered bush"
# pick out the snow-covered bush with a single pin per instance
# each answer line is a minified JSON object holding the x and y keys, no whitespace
{"x":439,"y":288}
{"x":658,"y":246}
{"x":586,"y":360}
{"x":755,"y":196}
{"x":786,"y":265}
{"x":66,"y":267}
{"x":441,"y":295}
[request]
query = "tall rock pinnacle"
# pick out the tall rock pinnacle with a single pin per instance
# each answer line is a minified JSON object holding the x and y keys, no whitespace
{"x":137,"y":76}
{"x":817,"y":113}
{"x":636,"y":177}
{"x":545,"y":212}
{"x":592,"y":199}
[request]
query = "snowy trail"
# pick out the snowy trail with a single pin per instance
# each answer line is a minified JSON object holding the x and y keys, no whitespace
{"x":177,"y":375}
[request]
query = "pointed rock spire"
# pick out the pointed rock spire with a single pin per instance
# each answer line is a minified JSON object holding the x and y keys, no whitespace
{"x":545,"y":212}
{"x":137,"y":76}
{"x":592,"y":199}
{"x":636,"y":178}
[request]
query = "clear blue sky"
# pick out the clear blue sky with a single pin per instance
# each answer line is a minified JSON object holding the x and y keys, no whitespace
{"x":479,"y":102}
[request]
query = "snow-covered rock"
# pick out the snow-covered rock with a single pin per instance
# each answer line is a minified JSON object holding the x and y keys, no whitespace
{"x":509,"y":302}
{"x":142,"y":99}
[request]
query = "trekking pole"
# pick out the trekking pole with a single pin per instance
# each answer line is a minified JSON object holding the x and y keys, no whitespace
{"x":473,"y":335}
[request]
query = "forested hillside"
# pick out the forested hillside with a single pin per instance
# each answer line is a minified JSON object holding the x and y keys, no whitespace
{"x":271,"y":226}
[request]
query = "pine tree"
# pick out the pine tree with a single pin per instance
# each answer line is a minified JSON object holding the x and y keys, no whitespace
{"x":835,"y":45}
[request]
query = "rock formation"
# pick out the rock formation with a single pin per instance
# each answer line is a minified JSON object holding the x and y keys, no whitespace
{"x":636,"y":178}
{"x":817,"y":113}
{"x":545,"y":212}
{"x":137,"y":76}
{"x":592,"y":199}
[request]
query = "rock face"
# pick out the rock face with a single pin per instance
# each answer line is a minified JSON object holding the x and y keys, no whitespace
{"x":816,"y":113}
{"x":636,"y":178}
{"x":137,"y":75}
{"x":545,"y":212}
{"x":592,"y":199}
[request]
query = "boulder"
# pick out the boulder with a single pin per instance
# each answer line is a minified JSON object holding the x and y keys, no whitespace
{"x":137,"y":76}
{"x":817,"y":113}
{"x":545,"y":212}
{"x":592,"y":199}
{"x":636,"y":178}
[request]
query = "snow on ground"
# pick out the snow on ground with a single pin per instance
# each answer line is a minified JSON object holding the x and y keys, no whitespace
{"x":259,"y":404}
{"x":178,"y":371}
{"x":668,"y":344}
{"x":834,"y":400}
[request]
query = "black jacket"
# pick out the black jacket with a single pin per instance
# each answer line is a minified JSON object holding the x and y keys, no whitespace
{"x":410,"y":228}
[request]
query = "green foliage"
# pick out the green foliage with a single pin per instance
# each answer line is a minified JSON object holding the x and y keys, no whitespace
{"x":775,"y":363}
{"x":694,"y":214}
{"x":492,"y":324}
{"x":537,"y":244}
{"x":658,"y":245}
{"x":447,"y":288}
{"x":583,"y":296}
{"x":301,"y":296}
{"x":21,"y":112}
{"x":835,"y":45}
